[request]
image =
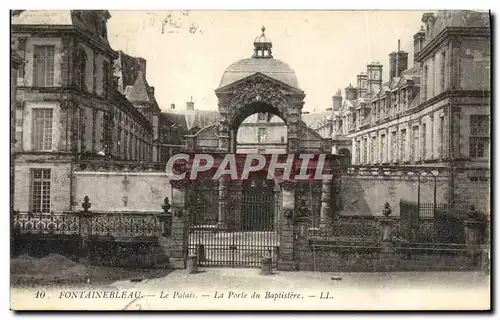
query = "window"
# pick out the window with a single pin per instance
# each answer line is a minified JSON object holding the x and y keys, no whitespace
{"x":80,"y":77}
{"x":365,"y":150}
{"x":403,"y":145}
{"x":125,"y":146}
{"x":443,"y":70}
{"x":426,"y":75}
{"x":394,"y":145}
{"x":358,"y":151}
{"x":414,"y":145}
{"x":262,"y":116}
{"x":40,"y":190}
{"x":382,"y":148}
{"x":105,"y":79}
{"x":262,"y":135}
{"x":479,"y":147}
{"x":43,"y":66}
{"x":480,"y":126}
{"x":374,"y":150}
{"x":424,"y":141}
{"x":479,"y":143}
{"x":42,"y":129}
{"x":80,"y":131}
{"x":441,"y":137}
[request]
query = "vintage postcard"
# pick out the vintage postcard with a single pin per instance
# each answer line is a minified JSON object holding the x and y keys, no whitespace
{"x":250,"y":160}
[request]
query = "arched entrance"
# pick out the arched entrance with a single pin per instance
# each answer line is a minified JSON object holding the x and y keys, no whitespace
{"x":254,"y":217}
{"x":259,"y":208}
{"x":346,"y":156}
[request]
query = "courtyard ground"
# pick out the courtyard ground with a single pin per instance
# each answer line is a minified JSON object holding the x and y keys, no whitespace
{"x":55,"y":269}
{"x":242,"y":289}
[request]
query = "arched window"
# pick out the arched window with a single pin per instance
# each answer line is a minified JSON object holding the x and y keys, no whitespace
{"x":346,"y":160}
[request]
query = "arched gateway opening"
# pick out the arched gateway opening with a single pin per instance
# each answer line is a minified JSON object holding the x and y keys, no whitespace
{"x":236,"y":223}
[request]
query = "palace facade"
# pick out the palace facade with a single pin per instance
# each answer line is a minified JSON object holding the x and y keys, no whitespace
{"x":434,"y":113}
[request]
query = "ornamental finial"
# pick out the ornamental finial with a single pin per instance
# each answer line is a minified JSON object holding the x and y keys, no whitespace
{"x":263,"y":29}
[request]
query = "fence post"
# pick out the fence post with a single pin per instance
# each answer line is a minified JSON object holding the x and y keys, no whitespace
{"x":85,"y":230}
{"x":287,"y":221}
{"x":179,"y":225}
{"x":387,"y":224}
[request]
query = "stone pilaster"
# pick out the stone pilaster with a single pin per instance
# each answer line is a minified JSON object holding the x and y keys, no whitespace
{"x":179,"y":224}
{"x":474,"y":235}
{"x":326,"y":209}
{"x":286,"y":256}
{"x":223,"y":204}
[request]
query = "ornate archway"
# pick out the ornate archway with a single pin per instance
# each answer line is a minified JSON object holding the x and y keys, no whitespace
{"x":260,"y":84}
{"x":258,"y":93}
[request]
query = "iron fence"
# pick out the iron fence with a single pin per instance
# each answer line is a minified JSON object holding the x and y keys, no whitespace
{"x":99,"y":224}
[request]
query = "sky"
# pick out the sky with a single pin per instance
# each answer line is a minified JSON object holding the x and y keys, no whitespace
{"x":327,"y":49}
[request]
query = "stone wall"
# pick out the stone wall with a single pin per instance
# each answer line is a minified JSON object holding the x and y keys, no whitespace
{"x":60,"y":182}
{"x":349,"y":259}
{"x":367,"y":195}
{"x":121,"y":191}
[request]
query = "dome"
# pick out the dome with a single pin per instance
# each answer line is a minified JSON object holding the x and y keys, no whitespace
{"x":273,"y":68}
{"x":263,"y":62}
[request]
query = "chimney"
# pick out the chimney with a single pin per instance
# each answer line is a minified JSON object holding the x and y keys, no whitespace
{"x":362,"y":84}
{"x":398,"y":62}
{"x":350,"y":93}
{"x":142,"y":65}
{"x":337,"y":101}
{"x":151,"y":90}
{"x":418,"y":41}
{"x":190,"y":104}
{"x":172,"y":106}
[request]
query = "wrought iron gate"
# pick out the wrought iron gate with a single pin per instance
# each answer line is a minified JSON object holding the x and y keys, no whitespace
{"x":250,"y":229}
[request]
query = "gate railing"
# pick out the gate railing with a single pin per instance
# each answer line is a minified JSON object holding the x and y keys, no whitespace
{"x":348,"y":229}
{"x":46,"y":223}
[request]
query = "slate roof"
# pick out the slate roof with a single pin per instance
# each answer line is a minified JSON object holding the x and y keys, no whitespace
{"x":273,"y":68}
{"x":316,"y":120}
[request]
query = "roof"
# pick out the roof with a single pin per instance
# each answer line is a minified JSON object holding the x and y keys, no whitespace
{"x":201,"y":118}
{"x":93,"y":21}
{"x":132,"y":79}
{"x":317,"y":119}
{"x":457,"y":19}
{"x":138,"y":91}
{"x":177,"y":119}
{"x":273,"y":68}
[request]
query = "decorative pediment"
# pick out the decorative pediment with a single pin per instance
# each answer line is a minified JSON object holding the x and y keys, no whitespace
{"x":257,"y":79}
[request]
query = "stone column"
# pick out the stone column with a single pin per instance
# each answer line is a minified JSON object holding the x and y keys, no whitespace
{"x":286,"y":255}
{"x":179,"y":224}
{"x":224,"y":136}
{"x":223,"y":204}
{"x":326,"y":209}
{"x":293,"y":127}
